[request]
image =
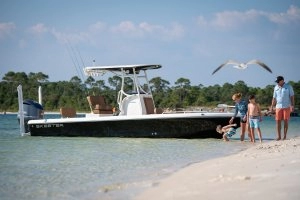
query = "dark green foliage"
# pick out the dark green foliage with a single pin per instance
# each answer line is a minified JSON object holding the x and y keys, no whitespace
{"x":73,"y":93}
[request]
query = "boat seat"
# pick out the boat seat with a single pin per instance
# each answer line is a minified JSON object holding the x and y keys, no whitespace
{"x":149,"y":105}
{"x":98,"y":105}
{"x":67,"y":112}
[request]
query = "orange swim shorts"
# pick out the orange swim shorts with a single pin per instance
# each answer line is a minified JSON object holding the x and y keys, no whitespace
{"x":283,"y":113}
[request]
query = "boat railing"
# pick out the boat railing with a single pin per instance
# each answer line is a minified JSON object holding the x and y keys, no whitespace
{"x":183,"y":112}
{"x":195,"y":111}
{"x":121,"y":93}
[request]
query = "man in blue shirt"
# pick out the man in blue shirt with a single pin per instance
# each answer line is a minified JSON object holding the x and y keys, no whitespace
{"x":283,"y":98}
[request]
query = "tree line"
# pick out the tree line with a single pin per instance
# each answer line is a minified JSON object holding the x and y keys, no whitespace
{"x":73,"y":93}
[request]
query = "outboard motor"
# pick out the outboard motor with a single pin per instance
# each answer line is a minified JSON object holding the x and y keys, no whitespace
{"x":32,"y":110}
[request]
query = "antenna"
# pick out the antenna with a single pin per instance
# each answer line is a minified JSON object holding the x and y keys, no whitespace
{"x":74,"y":59}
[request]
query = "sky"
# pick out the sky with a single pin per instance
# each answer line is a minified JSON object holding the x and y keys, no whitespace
{"x":190,"y":39}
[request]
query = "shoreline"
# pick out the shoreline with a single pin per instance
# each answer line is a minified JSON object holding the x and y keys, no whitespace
{"x":270,"y":170}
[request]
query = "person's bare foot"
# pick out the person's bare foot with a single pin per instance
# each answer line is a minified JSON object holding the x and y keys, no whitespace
{"x":277,"y":139}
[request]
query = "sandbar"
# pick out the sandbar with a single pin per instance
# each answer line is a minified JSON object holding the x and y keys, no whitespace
{"x":270,"y":170}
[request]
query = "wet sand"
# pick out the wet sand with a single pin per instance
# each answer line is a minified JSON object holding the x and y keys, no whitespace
{"x":270,"y":170}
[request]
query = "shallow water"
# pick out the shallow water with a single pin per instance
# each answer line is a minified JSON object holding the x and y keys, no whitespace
{"x":100,"y":168}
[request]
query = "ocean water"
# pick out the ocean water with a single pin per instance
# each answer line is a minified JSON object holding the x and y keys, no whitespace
{"x":101,"y":168}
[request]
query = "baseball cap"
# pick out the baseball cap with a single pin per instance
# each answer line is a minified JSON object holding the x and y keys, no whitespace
{"x":279,"y":78}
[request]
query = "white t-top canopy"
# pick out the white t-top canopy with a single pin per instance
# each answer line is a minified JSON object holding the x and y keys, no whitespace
{"x":117,"y":68}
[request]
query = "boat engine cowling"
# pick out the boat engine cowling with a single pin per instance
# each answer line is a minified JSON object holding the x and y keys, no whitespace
{"x":32,"y":110}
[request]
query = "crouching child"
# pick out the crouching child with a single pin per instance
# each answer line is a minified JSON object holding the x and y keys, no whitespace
{"x":227,"y":131}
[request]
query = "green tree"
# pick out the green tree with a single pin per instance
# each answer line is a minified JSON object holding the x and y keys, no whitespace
{"x":159,"y":88}
{"x":226,"y":93}
{"x":182,"y":86}
{"x":38,"y":77}
{"x":241,"y":87}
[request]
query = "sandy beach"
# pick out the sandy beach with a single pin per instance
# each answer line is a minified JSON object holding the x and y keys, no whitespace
{"x":270,"y":170}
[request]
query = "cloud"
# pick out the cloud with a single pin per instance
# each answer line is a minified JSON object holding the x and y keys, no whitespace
{"x":6,"y":29}
{"x":38,"y":29}
{"x":98,"y":27}
{"x":225,"y":20}
{"x":201,"y":21}
{"x":234,"y":19}
{"x":41,"y":29}
{"x":143,"y":29}
{"x":148,"y":28}
{"x":228,"y":20}
{"x":70,"y":37}
{"x":175,"y":31}
{"x":292,"y":15}
{"x":126,"y":29}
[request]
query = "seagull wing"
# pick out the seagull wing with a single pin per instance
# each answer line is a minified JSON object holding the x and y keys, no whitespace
{"x":233,"y":62}
{"x":237,"y":66}
{"x":219,"y":68}
{"x":261,"y":64}
{"x":229,"y":62}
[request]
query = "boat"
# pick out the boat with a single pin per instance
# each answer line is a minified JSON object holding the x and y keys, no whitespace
{"x":138,"y":116}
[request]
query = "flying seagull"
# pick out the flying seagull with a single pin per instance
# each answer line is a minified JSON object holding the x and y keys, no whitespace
{"x":243,"y":65}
